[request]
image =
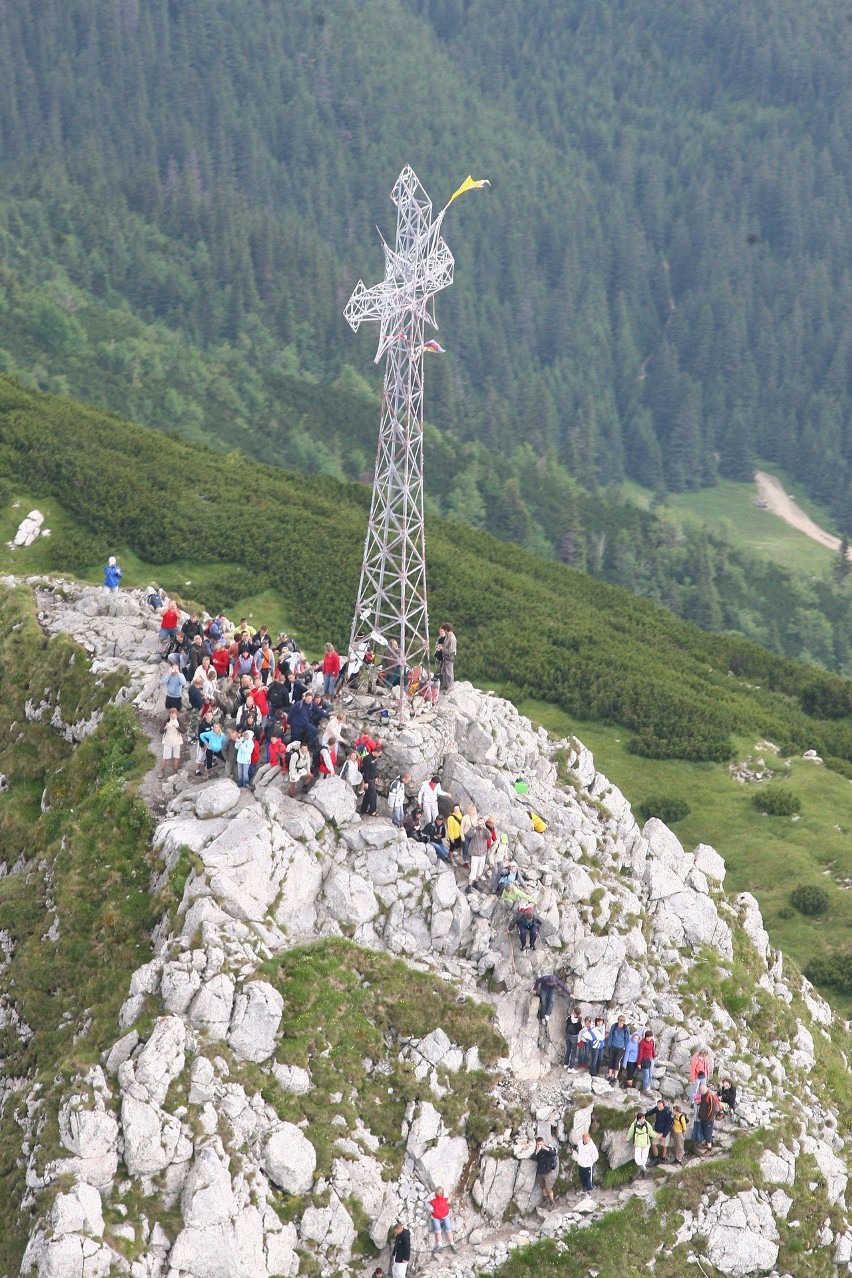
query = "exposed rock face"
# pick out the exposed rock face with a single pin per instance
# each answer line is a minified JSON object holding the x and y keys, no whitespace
{"x":742,"y":1237}
{"x":179,"y":1108}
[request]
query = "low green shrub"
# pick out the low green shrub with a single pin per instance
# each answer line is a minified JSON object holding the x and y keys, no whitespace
{"x":666,"y":807}
{"x":834,"y":970}
{"x":809,"y":899}
{"x":835,"y":764}
{"x":777,"y":800}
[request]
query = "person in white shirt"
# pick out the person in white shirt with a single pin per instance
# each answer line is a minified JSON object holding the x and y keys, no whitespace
{"x":585,"y":1156}
{"x":427,"y":798}
{"x":350,"y":771}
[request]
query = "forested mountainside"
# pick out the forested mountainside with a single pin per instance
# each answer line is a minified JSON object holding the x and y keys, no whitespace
{"x":657,"y":284}
{"x":233,"y":530}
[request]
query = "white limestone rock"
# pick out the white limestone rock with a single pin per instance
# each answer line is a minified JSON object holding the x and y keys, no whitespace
{"x":217,"y":798}
{"x":778,"y":1169}
{"x":742,"y":1237}
{"x":162,"y":1058}
{"x":211,"y":1008}
{"x":289,"y":1159}
{"x":710,"y":863}
{"x":334,"y":798}
{"x":349,"y":898}
{"x":78,"y":1212}
{"x":255,"y":1021}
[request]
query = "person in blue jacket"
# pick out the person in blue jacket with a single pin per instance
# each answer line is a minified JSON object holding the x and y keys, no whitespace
{"x":619,"y":1037}
{"x":112,"y":576}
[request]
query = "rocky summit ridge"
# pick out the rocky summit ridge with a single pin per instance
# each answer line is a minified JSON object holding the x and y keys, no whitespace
{"x":198,"y":1148}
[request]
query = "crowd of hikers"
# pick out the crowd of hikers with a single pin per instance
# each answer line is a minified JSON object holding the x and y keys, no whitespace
{"x":241,"y":700}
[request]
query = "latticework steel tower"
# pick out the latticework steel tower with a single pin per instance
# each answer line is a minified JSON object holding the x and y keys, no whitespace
{"x":392,"y":591}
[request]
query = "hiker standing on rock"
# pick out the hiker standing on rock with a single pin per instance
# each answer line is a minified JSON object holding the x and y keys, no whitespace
{"x":619,"y":1037}
{"x":396,"y":797}
{"x":400,"y":1251}
{"x":663,"y":1122}
{"x":442,"y":1221}
{"x":679,"y":1126}
{"x":572,"y":1034}
{"x":701,"y":1063}
{"x":445,"y":655}
{"x":528,"y":924}
{"x":546,"y":1166}
{"x":112,"y":576}
{"x":369,"y":775}
{"x":639,"y":1137}
{"x":585,"y":1156}
{"x":172,"y":741}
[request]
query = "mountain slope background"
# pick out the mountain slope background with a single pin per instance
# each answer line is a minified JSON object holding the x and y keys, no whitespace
{"x":658,"y":285}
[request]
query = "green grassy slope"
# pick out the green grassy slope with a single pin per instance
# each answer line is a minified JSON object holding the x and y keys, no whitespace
{"x":239,"y":529}
{"x":765,"y":855}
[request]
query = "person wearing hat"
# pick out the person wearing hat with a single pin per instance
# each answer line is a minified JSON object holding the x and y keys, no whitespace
{"x":112,"y":576}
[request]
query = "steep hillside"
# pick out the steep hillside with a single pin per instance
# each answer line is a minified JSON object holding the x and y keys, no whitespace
{"x":236,"y":530}
{"x":658,"y":286}
{"x":326,"y":1026}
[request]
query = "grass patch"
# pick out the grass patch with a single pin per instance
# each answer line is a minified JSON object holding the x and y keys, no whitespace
{"x":767,"y":856}
{"x":345,"y":1005}
{"x":85,"y":860}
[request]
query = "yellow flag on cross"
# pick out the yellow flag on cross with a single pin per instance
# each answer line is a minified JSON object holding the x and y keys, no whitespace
{"x":469,"y":184}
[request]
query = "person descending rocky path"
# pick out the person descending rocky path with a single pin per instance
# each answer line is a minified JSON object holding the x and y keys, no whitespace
{"x":178,"y":1114}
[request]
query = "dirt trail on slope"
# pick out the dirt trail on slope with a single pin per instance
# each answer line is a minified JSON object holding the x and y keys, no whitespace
{"x":772,"y":492}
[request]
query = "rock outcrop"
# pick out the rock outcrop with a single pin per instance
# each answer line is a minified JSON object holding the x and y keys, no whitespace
{"x":197,"y":1113}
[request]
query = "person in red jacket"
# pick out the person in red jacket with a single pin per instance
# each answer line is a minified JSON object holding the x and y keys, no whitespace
{"x":645,"y":1059}
{"x":277,"y":750}
{"x":330,"y":670}
{"x":169,"y":624}
{"x":442,"y":1221}
{"x":221,"y":659}
{"x":260,"y":696}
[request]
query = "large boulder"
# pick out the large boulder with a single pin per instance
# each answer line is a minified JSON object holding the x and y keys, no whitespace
{"x":289,"y":1159}
{"x":350,"y":898}
{"x":334,"y":798}
{"x":742,"y":1237}
{"x":162,"y":1058}
{"x":217,"y":798}
{"x":255,"y":1021}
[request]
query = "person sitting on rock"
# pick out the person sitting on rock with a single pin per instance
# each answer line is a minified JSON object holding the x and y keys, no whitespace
{"x":639,"y":1136}
{"x":662,"y":1121}
{"x":546,"y":1167}
{"x":728,"y":1096}
{"x":299,"y":774}
{"x":545,"y":989}
{"x":302,"y":726}
{"x":585,"y":1156}
{"x":619,"y":1037}
{"x":278,"y":749}
{"x":350,"y":771}
{"x":506,"y":876}
{"x":436,"y":833}
{"x":441,"y":1220}
{"x":528,"y":925}
{"x":454,"y":823}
